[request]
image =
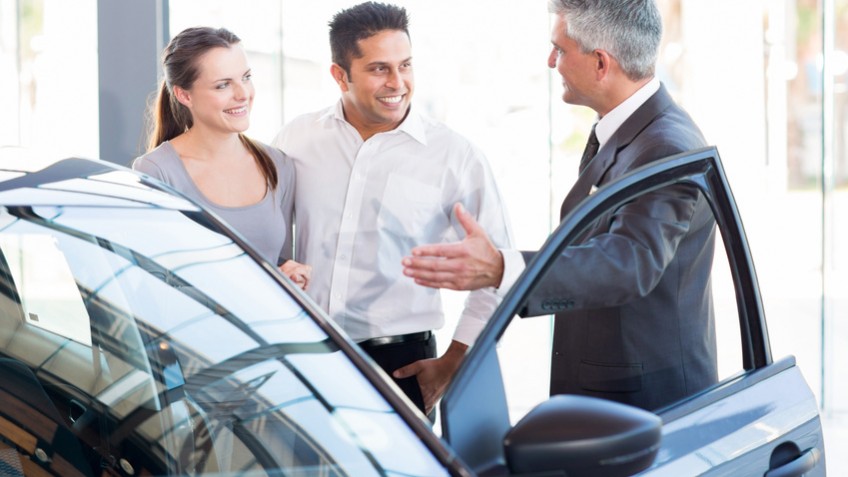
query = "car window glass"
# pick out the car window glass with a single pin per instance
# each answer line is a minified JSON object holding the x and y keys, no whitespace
{"x":197,"y":363}
{"x":614,"y":340}
{"x":49,"y":298}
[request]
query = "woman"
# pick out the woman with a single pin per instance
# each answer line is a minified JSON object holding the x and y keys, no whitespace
{"x":198,"y":147}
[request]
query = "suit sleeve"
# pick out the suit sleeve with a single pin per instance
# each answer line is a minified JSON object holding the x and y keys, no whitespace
{"x":624,"y":256}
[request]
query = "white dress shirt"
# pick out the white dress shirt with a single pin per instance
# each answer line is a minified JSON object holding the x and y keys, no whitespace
{"x":361,"y":206}
{"x":604,"y":129}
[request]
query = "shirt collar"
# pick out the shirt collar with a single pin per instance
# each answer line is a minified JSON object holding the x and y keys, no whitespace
{"x":609,"y":124}
{"x":413,"y":124}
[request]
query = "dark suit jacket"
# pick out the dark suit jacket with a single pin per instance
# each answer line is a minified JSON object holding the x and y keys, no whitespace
{"x":634,"y":314}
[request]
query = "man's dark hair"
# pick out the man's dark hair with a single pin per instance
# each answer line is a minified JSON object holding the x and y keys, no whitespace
{"x":360,"y":22}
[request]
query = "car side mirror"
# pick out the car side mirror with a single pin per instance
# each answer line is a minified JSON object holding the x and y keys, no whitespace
{"x":583,"y":436}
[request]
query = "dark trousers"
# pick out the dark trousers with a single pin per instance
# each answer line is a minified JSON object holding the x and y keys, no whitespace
{"x":391,"y":356}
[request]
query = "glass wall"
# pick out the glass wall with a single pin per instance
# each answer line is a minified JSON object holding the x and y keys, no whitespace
{"x":835,"y":174}
{"x":49,"y":86}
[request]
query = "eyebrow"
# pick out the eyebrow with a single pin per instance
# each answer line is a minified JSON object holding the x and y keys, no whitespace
{"x":248,"y":71}
{"x":381,"y":63}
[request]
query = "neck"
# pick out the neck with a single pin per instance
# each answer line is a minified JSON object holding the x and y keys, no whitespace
{"x":618,"y":93}
{"x":201,"y":143}
{"x":366,"y":128}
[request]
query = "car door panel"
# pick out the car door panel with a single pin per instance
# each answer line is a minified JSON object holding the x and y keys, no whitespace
{"x":736,"y":434}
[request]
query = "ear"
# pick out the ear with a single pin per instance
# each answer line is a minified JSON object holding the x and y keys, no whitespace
{"x":340,"y":75}
{"x":603,"y":63}
{"x":183,"y":96}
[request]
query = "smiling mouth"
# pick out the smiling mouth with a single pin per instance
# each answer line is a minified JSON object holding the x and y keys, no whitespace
{"x":240,"y":110}
{"x":391,"y":99}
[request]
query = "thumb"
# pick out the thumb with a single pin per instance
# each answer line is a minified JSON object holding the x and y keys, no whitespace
{"x":407,"y":371}
{"x":467,"y":221}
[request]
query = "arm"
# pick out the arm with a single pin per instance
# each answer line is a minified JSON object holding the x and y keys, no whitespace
{"x":618,"y":264}
{"x":297,"y":272}
{"x":626,"y":254}
{"x":434,"y":374}
{"x":480,"y":193}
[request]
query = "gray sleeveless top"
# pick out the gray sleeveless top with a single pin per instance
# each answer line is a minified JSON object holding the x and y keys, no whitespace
{"x":266,"y":225}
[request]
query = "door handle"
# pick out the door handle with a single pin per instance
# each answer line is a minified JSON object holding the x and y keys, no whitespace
{"x":798,"y":467}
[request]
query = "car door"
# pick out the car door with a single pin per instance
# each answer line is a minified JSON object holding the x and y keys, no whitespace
{"x":759,"y":418}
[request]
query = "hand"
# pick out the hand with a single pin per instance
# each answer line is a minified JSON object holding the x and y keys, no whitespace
{"x":471,"y":264}
{"x":434,"y":374}
{"x":299,"y":273}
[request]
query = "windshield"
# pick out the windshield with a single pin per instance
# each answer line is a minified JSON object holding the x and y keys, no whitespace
{"x":142,"y":340}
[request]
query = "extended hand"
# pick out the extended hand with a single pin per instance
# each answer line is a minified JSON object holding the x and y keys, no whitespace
{"x":471,"y":264}
{"x":434,"y":374}
{"x":299,"y":273}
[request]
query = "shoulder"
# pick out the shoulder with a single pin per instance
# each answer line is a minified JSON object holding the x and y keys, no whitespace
{"x":439,"y":134}
{"x":283,"y":163}
{"x":303,"y":127}
{"x":309,"y":120}
{"x":677,"y":128}
{"x":159,"y":162}
{"x":671,"y":132}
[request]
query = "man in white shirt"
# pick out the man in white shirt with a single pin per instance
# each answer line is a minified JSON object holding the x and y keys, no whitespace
{"x":634,"y":315}
{"x":374,"y":179}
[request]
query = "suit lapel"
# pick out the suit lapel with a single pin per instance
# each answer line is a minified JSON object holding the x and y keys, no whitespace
{"x":587,"y":179}
{"x":600,"y":164}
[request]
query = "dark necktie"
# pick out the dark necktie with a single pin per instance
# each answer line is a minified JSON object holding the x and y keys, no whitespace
{"x":591,"y":149}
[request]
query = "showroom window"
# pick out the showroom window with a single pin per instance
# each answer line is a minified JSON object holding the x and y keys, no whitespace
{"x":763,"y":76}
{"x":50,"y":104}
{"x":770,"y":91}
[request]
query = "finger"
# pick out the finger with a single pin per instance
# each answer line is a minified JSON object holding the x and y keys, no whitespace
{"x":467,"y":221}
{"x":407,"y":371}
{"x":430,"y":265}
{"x":450,"y":285}
{"x":441,"y":250}
{"x":443,"y":274}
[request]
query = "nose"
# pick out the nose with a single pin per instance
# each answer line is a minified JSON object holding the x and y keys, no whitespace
{"x":552,"y":58}
{"x":239,"y":90}
{"x":395,"y":79}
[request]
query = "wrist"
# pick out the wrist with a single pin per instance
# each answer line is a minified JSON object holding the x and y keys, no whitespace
{"x":499,"y":271}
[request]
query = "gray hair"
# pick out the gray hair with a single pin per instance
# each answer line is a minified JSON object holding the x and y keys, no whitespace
{"x":629,"y":30}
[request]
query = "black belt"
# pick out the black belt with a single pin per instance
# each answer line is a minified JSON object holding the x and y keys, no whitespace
{"x":388,"y":340}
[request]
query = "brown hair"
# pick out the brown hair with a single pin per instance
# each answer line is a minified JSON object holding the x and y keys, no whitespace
{"x":168,"y":117}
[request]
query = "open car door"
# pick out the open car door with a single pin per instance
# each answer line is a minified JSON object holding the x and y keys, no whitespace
{"x":759,"y":418}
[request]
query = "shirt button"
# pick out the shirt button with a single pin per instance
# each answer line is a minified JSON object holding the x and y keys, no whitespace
{"x":342,"y":257}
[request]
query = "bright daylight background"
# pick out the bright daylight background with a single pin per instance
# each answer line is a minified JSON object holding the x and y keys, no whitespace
{"x":765,"y":79}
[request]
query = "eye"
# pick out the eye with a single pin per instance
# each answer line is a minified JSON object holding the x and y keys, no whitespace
{"x":222,"y":85}
{"x":247,"y":77}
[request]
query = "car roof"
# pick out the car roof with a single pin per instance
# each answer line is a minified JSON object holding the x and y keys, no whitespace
{"x":25,"y":181}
